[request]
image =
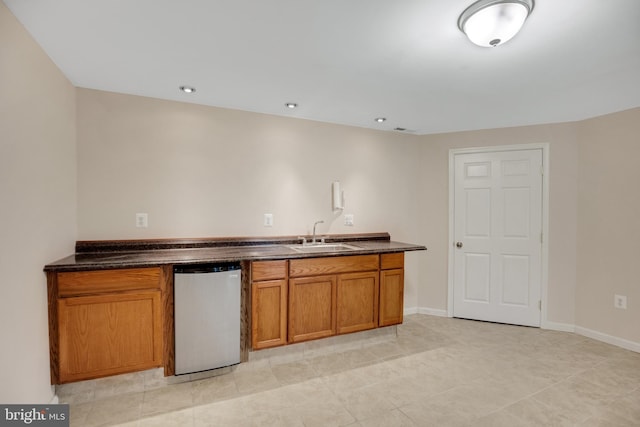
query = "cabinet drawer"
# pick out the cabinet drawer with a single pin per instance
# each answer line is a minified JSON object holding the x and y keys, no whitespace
{"x":268,"y":270}
{"x":332,"y":265}
{"x":390,"y":261}
{"x":101,"y":281}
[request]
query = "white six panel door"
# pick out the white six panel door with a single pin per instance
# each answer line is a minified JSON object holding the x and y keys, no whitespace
{"x":498,"y":236}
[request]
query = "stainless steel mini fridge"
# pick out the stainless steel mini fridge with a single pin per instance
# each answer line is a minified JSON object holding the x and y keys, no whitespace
{"x":207,"y":316}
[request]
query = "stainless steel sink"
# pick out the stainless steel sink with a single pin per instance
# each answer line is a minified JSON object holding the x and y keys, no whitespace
{"x":324,"y":247}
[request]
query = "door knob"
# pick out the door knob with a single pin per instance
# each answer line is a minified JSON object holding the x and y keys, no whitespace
{"x":458,"y":245}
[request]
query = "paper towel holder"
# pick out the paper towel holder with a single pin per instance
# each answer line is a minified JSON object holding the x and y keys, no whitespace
{"x":337,"y":196}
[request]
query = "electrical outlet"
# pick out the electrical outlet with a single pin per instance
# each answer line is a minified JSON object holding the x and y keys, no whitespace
{"x":268,"y":220}
{"x":348,"y":220}
{"x":620,"y":301}
{"x":142,"y":220}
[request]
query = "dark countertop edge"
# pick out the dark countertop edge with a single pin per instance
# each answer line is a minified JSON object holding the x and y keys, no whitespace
{"x":91,"y":246}
{"x":209,"y":255}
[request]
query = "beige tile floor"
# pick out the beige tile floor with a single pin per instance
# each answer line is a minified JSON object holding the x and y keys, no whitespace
{"x":434,"y":372}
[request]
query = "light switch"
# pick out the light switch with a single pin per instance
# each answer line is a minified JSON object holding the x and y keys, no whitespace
{"x":268,"y":220}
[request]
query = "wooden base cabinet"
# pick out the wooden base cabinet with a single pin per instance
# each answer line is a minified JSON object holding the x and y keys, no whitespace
{"x":308,"y":298}
{"x":332,"y":295}
{"x":391,"y":289}
{"x":105,"y":322}
{"x":269,"y":290}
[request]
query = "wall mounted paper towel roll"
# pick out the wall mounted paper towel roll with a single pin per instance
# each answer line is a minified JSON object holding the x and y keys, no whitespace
{"x":337,"y":196}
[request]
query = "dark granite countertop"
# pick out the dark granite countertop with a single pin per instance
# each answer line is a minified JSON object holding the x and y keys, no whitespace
{"x":96,"y":255}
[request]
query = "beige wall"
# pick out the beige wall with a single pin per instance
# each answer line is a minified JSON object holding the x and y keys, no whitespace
{"x":593,"y":212}
{"x":562,"y":209}
{"x":38,"y":208}
{"x":203,"y":171}
{"x":609,"y":224}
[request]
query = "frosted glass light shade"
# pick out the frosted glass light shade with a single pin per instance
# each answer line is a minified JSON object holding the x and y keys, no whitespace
{"x":490,"y":23}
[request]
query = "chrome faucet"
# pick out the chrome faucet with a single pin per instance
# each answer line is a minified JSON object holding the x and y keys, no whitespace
{"x":313,"y":240}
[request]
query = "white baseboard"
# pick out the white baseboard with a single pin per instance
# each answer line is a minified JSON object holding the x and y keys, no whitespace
{"x":432,"y":311}
{"x":410,"y":310}
{"x":609,"y":339}
{"x":556,"y":326}
{"x":425,"y":310}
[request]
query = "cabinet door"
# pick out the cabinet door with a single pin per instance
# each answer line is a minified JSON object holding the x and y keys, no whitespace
{"x":391,"y":297}
{"x":268,"y":314}
{"x":357,"y":302}
{"x":109,"y":334}
{"x":312,"y":308}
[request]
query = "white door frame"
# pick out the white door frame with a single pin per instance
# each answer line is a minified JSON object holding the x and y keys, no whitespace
{"x":545,"y":216}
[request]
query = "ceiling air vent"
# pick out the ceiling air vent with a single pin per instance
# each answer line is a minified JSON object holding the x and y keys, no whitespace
{"x":404,"y":130}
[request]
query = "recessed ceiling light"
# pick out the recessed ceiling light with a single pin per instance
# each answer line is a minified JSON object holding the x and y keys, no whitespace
{"x":187,"y":89}
{"x":380,"y":119}
{"x":291,"y":105}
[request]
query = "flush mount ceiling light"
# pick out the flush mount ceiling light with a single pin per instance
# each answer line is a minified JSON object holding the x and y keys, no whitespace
{"x":380,"y":119}
{"x":291,"y":105}
{"x":187,"y":89}
{"x":490,"y":23}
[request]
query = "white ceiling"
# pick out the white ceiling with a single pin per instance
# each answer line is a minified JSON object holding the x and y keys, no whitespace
{"x":349,"y":61}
